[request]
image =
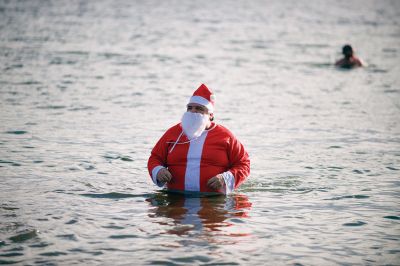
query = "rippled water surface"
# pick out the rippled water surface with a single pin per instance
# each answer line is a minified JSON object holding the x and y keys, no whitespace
{"x":88,"y":87}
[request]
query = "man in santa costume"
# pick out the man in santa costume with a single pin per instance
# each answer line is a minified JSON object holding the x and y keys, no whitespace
{"x":197,"y":155}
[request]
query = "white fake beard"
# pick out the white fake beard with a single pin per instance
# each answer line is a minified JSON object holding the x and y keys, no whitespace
{"x":193,"y":124}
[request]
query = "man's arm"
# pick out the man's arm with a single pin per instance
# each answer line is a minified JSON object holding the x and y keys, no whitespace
{"x":359,"y":62}
{"x":238,"y":171}
{"x":157,"y":163}
{"x":239,"y":164}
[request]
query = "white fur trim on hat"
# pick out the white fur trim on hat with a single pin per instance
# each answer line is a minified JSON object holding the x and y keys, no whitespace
{"x":202,"y":101}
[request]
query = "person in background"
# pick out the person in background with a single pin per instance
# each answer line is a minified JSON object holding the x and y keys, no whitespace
{"x":198,"y":155}
{"x":349,"y":60}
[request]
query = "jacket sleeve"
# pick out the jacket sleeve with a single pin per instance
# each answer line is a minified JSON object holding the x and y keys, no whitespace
{"x":158,"y":159}
{"x":239,"y":162}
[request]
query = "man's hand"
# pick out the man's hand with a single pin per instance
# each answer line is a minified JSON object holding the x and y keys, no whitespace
{"x":217,"y":182}
{"x":164,"y":175}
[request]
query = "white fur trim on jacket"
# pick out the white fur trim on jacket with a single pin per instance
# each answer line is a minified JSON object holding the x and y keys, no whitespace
{"x":154,"y":175}
{"x":229,"y":182}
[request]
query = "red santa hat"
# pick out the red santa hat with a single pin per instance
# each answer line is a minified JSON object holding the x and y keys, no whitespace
{"x":204,"y":96}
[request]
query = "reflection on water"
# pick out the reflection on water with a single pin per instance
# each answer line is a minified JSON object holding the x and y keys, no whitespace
{"x":199,"y":215}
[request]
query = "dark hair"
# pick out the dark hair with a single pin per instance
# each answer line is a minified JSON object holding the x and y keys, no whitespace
{"x":347,"y":49}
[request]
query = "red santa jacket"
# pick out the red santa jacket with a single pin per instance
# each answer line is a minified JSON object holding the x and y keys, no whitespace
{"x":193,"y":163}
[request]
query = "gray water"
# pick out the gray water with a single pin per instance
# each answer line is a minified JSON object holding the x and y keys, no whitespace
{"x":88,"y":87}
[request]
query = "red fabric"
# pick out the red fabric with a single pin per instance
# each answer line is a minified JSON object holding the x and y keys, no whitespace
{"x":204,"y":92}
{"x":221,"y":152}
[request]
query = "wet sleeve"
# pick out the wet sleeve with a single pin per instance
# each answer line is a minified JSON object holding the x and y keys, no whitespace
{"x":158,"y":159}
{"x":239,"y":161}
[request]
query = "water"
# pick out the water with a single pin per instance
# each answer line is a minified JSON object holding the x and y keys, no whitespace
{"x":87,"y":88}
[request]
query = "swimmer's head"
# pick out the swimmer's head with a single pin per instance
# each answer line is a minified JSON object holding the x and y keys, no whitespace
{"x":347,"y":50}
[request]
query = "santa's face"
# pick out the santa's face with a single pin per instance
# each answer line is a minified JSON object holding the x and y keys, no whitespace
{"x":195,"y":120}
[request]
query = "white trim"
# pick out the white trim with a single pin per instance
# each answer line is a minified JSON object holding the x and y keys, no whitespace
{"x":192,"y":174}
{"x":154,"y":173}
{"x":229,"y":182}
{"x":202,"y":101}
